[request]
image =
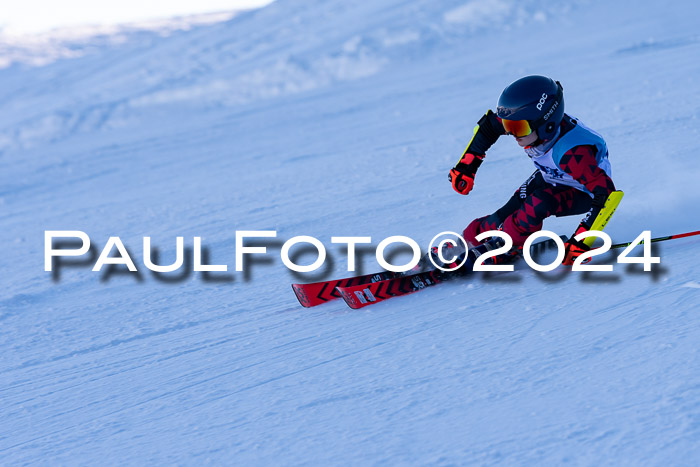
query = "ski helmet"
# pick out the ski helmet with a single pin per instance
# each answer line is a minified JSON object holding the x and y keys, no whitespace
{"x":533,"y":103}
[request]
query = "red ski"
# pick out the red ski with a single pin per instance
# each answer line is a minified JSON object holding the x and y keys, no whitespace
{"x":361,"y":295}
{"x":318,"y":293}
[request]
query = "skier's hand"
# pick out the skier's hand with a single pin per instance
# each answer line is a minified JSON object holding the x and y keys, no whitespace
{"x":462,"y":175}
{"x":574,"y":248}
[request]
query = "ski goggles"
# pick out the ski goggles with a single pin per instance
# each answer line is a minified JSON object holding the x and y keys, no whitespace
{"x":517,"y":128}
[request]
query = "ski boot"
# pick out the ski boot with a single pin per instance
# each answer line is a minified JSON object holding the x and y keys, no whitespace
{"x":489,"y":245}
{"x":453,"y":253}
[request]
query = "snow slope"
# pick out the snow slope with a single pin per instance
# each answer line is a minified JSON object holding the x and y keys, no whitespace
{"x":331,"y":118}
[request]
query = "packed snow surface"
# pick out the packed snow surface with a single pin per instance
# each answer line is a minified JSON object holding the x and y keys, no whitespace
{"x":339,"y":118}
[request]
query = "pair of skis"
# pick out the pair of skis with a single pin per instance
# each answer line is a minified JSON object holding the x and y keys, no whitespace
{"x":362,"y":291}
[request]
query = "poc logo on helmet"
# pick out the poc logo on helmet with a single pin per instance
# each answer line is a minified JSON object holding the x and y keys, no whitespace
{"x":543,"y":99}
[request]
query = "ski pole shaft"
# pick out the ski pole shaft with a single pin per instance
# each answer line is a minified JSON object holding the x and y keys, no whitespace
{"x":660,"y":239}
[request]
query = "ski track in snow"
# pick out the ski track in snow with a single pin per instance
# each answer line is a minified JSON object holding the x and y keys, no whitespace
{"x":334,"y":118}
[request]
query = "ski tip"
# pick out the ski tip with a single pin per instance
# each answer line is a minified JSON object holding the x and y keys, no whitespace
{"x":301,"y":295}
{"x":349,"y":298}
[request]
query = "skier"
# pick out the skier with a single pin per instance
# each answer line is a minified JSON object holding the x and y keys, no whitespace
{"x":573,"y":173}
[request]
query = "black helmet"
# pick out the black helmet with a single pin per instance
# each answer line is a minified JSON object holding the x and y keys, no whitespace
{"x":538,"y":100}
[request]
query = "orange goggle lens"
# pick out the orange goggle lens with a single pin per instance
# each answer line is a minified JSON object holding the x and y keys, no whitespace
{"x":518,"y":128}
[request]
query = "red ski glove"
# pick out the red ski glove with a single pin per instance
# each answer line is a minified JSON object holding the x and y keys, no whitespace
{"x":462,"y":175}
